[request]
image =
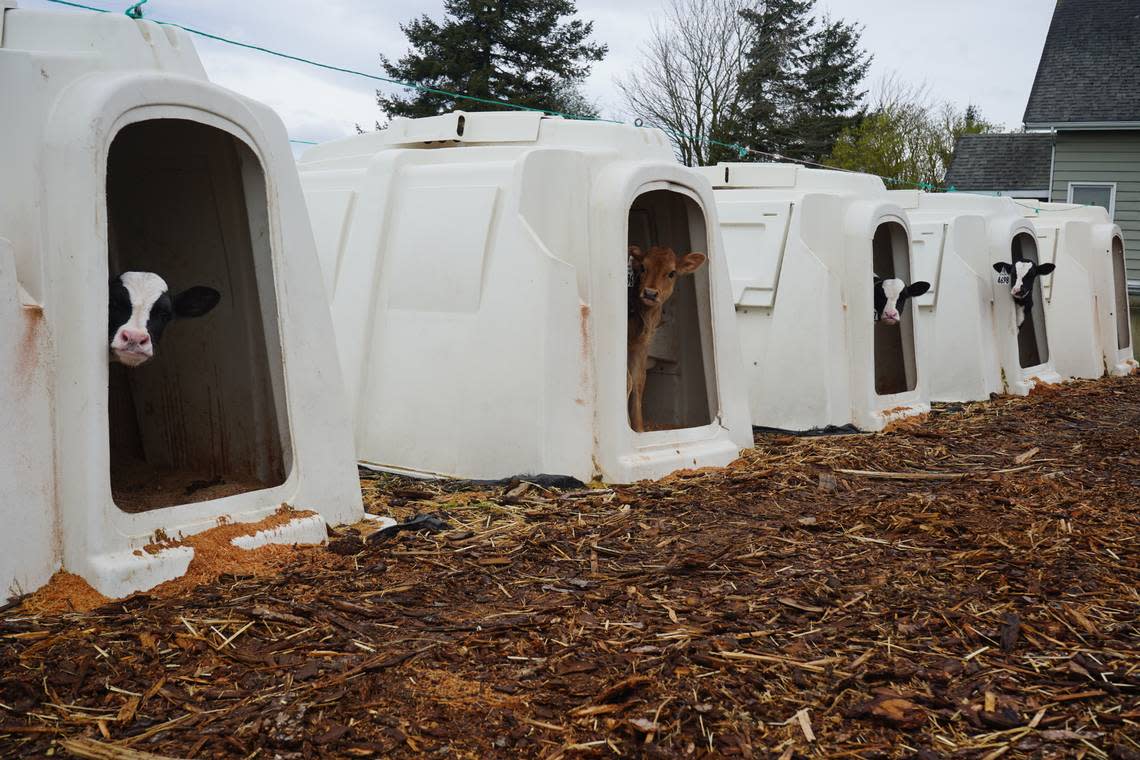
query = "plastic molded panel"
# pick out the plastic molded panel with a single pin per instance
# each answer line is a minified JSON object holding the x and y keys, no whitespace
{"x":330,"y":210}
{"x":754,"y":240}
{"x":438,"y":242}
{"x":927,"y":244}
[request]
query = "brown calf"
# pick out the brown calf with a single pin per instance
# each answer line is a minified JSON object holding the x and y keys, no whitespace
{"x":656,"y":272}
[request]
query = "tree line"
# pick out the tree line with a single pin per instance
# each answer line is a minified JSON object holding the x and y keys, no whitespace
{"x":774,"y":76}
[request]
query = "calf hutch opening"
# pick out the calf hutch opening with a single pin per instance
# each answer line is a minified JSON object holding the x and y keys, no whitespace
{"x":205,"y":417}
{"x":895,"y":368}
{"x":679,"y":379}
{"x":1032,"y":340}
{"x":1120,"y":292}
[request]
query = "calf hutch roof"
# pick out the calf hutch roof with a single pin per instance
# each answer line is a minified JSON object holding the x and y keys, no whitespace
{"x":478,"y":270}
{"x":803,"y":247}
{"x":1001,"y":162}
{"x":119,"y":155}
{"x":976,"y":346}
{"x":1088,"y":297}
{"x":1089,"y":72}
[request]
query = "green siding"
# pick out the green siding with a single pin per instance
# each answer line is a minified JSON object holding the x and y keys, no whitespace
{"x":1104,"y":157}
{"x":1134,"y":311}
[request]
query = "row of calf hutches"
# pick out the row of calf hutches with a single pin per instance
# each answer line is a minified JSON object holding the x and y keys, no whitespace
{"x":973,"y":346}
{"x":1087,"y":310}
{"x":803,"y":246}
{"x":118,"y":154}
{"x":478,"y":266}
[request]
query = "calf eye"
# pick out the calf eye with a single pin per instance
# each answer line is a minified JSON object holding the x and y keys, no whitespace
{"x":672,"y":274}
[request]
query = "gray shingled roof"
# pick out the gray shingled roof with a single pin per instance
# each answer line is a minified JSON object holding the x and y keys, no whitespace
{"x":1001,"y":162}
{"x":1090,"y":67}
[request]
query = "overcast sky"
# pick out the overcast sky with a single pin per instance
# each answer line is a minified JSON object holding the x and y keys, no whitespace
{"x":979,"y":51}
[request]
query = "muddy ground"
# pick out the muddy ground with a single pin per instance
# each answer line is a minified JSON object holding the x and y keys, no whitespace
{"x":961,"y":587}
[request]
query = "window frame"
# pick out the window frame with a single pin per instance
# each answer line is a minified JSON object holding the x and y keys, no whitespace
{"x":1111,"y":194}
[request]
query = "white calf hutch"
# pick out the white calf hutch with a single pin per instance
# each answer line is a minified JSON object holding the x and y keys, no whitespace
{"x":118,"y":155}
{"x":975,"y":347}
{"x":477,"y":268}
{"x":803,"y":246}
{"x":1087,"y":309}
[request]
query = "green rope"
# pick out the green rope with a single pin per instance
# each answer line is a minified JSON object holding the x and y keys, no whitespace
{"x":741,"y":150}
{"x":135,"y":11}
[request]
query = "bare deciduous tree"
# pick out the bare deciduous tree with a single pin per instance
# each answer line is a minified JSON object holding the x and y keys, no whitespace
{"x":688,"y":81}
{"x":907,"y":134}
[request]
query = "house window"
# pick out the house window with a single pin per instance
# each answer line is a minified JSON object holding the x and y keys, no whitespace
{"x":1101,"y":194}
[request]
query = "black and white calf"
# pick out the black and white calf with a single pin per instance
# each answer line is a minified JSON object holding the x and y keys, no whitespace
{"x":141,"y":307}
{"x":1022,"y":273}
{"x":891,"y":297}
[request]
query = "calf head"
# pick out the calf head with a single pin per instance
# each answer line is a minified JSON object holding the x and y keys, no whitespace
{"x":141,"y":307}
{"x":656,"y":272}
{"x":1022,"y":273}
{"x":891,"y":296}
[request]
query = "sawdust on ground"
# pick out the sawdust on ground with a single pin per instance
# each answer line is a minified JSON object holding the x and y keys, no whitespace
{"x":214,"y":555}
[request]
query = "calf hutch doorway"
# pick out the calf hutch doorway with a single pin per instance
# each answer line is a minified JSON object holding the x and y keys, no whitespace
{"x":1120,"y":291}
{"x":680,"y":378}
{"x":894,"y":344}
{"x":1032,"y":340}
{"x":204,"y":418}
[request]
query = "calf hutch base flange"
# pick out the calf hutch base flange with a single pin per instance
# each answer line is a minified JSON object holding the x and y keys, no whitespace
{"x":480,"y":278}
{"x":120,"y":156}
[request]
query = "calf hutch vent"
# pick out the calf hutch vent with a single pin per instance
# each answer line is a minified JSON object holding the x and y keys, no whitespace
{"x":804,"y":247}
{"x":1087,"y":299}
{"x":120,"y":156}
{"x":973,"y":345}
{"x":486,"y":270}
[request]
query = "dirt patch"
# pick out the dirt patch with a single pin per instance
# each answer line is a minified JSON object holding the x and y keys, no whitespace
{"x":1046,"y":390}
{"x":214,"y":555}
{"x":906,"y":424}
{"x":964,"y":589}
{"x":65,"y":592}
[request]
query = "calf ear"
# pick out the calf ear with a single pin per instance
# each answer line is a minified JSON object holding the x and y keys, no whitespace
{"x":878,"y":279}
{"x":1002,"y":266}
{"x":690,"y":262}
{"x":195,"y":302}
{"x":636,"y":252}
{"x":1046,"y":268}
{"x":917,"y":288}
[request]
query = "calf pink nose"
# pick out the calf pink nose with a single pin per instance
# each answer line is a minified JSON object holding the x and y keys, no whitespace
{"x":135,"y":337}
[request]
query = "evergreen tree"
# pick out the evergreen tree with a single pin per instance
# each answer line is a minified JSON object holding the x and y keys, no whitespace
{"x":768,"y":79}
{"x":827,"y":93}
{"x":800,"y":81}
{"x":527,"y":52}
